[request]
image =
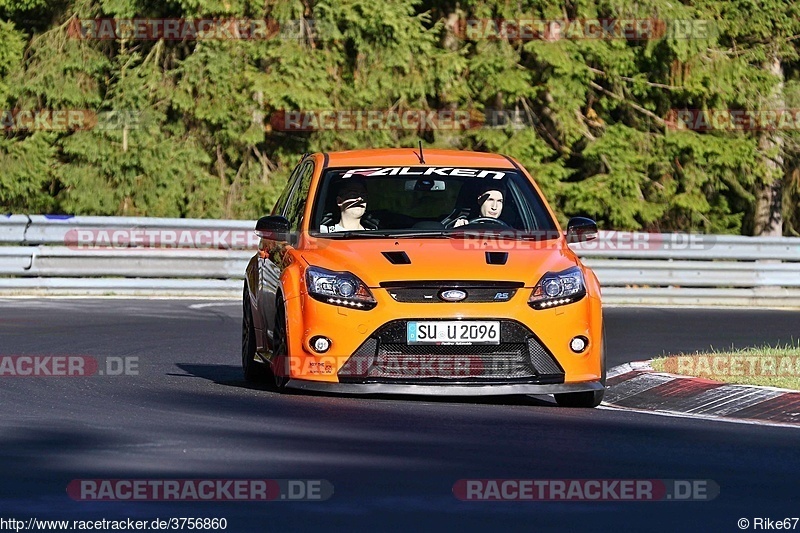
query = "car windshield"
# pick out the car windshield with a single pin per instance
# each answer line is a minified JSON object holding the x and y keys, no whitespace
{"x":427,"y":201}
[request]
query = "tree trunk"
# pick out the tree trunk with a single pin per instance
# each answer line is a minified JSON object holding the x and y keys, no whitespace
{"x":452,"y":25}
{"x":769,"y":192}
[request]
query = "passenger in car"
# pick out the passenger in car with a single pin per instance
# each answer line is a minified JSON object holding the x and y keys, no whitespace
{"x":489,"y":204}
{"x":352,"y":202}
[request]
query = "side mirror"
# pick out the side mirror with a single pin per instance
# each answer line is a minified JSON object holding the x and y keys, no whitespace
{"x":581,"y":229}
{"x":273,"y":228}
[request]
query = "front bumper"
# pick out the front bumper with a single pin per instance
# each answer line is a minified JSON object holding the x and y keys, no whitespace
{"x":449,"y":389}
{"x":524,"y":364}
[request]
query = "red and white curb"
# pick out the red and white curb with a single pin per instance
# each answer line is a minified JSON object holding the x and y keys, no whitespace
{"x":636,"y":386}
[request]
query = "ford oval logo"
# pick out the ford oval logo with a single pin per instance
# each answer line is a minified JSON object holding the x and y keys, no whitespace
{"x":452,"y":295}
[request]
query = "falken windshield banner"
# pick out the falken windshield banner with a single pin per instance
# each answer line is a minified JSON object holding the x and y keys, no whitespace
{"x":427,"y":171}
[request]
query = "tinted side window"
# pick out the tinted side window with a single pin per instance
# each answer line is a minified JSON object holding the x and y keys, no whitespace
{"x":280,"y":205}
{"x":297,"y":201}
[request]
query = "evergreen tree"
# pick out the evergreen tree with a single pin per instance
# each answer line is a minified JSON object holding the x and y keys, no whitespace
{"x":182,"y":128}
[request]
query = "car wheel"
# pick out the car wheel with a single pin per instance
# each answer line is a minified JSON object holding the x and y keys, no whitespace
{"x":254,"y":372}
{"x":580,"y":399}
{"x":280,"y":370}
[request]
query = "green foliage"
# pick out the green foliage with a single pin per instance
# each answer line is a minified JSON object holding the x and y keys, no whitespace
{"x":12,"y":44}
{"x":184,"y":126}
{"x":26,"y":181}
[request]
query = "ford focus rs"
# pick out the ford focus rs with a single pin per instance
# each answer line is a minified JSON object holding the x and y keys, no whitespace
{"x":437,"y":273}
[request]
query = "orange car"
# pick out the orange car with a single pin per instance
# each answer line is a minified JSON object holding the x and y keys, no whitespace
{"x":439,"y":273}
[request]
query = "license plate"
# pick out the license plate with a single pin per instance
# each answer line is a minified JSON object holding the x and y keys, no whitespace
{"x":454,"y":332}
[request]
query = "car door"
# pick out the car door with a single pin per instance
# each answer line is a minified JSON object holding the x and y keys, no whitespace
{"x":272,"y":262}
{"x":257,"y":274}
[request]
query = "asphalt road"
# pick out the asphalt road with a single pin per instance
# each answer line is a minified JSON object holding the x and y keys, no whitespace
{"x":392,"y":461}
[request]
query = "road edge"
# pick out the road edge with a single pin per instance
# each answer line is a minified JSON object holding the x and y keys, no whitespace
{"x":637,"y":387}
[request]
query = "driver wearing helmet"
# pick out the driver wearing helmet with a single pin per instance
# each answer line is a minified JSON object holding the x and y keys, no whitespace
{"x":352,"y":202}
{"x":489,"y":203}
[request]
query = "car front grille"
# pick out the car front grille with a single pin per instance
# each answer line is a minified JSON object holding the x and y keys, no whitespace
{"x":386,"y":357}
{"x":429,"y":291}
{"x":503,"y":361}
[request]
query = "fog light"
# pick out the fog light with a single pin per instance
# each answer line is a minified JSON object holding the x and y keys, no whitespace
{"x":578,"y":344}
{"x":320,"y":344}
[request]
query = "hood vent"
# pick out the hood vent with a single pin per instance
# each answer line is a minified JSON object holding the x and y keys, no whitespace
{"x":496,"y":258}
{"x":397,"y":258}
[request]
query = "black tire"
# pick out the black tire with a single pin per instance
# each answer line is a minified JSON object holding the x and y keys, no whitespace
{"x":280,"y":370}
{"x":254,"y":372}
{"x":580,"y":399}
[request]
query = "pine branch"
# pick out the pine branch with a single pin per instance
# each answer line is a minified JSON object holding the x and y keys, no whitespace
{"x":660,"y":121}
{"x":634,"y":80}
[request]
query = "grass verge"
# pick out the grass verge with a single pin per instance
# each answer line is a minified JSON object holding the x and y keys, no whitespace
{"x":772,"y":366}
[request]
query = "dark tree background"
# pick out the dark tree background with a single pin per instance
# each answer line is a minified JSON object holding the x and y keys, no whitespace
{"x":186,"y":124}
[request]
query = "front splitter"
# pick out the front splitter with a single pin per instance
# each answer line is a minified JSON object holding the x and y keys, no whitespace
{"x":446,"y":389}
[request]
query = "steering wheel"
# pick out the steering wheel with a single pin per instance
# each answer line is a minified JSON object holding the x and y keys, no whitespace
{"x":487,"y":220}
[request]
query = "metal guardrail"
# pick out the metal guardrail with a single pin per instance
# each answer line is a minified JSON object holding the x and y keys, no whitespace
{"x":682,"y":269}
{"x":123,"y":255}
{"x":59,"y":230}
{"x":128,"y":255}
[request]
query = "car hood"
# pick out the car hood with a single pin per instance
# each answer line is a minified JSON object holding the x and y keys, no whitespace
{"x":385,"y":260}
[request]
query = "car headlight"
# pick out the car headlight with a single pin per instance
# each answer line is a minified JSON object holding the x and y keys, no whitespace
{"x":338,"y":288}
{"x":558,"y":288}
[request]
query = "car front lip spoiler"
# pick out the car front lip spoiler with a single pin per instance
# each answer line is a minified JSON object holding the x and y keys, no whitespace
{"x":446,"y":389}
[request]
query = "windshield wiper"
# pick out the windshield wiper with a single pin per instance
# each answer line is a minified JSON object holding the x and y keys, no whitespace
{"x":446,"y":233}
{"x":503,"y":234}
{"x":414,"y":233}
